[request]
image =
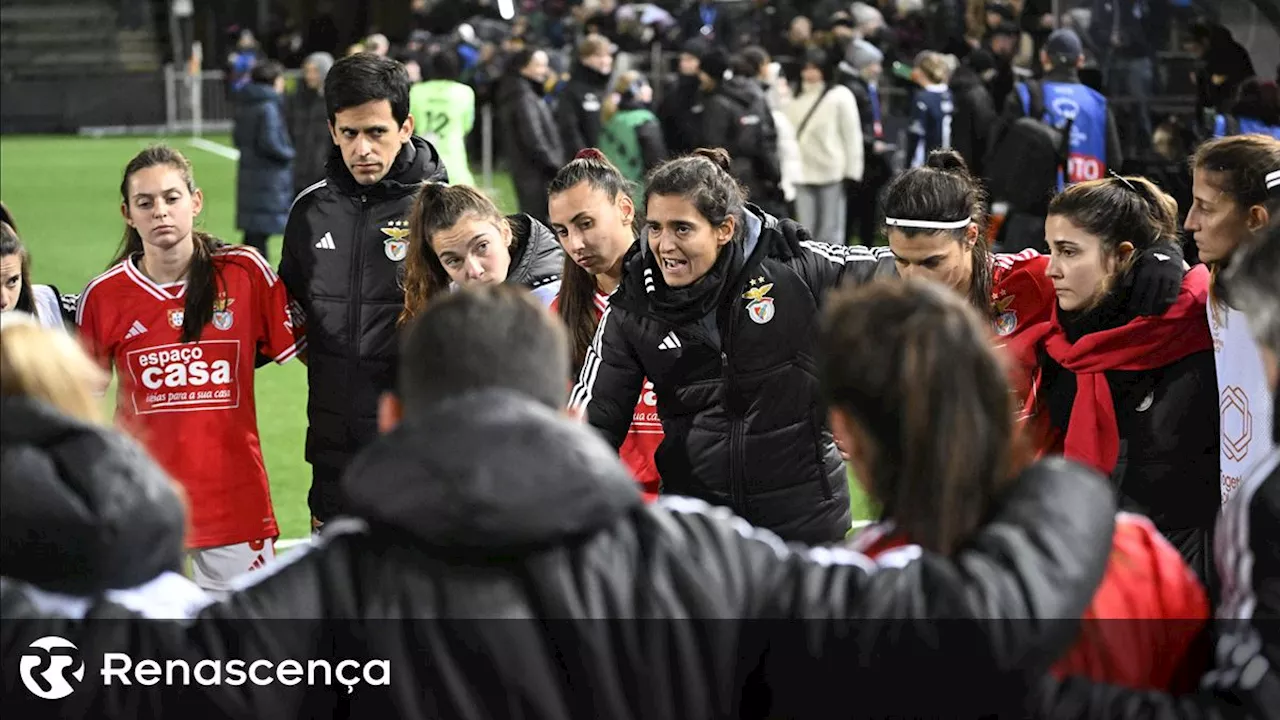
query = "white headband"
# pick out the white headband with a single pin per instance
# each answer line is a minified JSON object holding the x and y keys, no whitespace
{"x":928,"y":224}
{"x":1273,"y":180}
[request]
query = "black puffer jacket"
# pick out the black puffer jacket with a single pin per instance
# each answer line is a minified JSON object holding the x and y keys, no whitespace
{"x":341,"y":261}
{"x":538,"y":259}
{"x":578,"y":108}
{"x":739,"y":405}
{"x":84,"y":509}
{"x":509,"y":567}
{"x":534,"y":148}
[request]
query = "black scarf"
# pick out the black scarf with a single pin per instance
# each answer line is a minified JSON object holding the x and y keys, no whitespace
{"x":689,"y":304}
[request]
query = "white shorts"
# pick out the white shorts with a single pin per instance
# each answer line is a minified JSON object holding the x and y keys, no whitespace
{"x":215,"y":568}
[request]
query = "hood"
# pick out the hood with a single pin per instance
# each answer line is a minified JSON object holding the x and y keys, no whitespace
{"x":254,"y":93}
{"x":418,"y":162}
{"x":85,"y":510}
{"x":965,"y":79}
{"x":489,"y":471}
{"x":743,"y":91}
{"x":512,"y":86}
{"x":538,"y":257}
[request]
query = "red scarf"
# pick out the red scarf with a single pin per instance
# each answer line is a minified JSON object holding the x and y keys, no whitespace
{"x":1145,"y":343}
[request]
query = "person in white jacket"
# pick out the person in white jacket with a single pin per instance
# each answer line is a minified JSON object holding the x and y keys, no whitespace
{"x":829,"y":134}
{"x":755,"y":62}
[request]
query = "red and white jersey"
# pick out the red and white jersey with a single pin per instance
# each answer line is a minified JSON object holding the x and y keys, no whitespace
{"x":1021,"y":294}
{"x":192,"y":404}
{"x":646,"y":429}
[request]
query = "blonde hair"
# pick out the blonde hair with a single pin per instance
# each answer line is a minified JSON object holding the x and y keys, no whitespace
{"x":621,"y":86}
{"x":49,"y":366}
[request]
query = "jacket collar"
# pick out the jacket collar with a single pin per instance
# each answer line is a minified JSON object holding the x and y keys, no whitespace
{"x":537,"y":254}
{"x":490,"y":471}
{"x":416,"y":163}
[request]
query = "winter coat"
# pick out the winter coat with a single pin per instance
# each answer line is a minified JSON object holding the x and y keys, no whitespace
{"x":85,"y":509}
{"x":341,"y":261}
{"x":831,"y":147}
{"x":534,"y":147}
{"x":537,"y":260}
{"x":510,"y":562}
{"x":309,"y":131}
{"x":578,"y":108}
{"x":975,"y":119}
{"x":264,"y":175}
{"x":739,"y":404}
{"x":683,"y":105}
{"x":738,"y":119}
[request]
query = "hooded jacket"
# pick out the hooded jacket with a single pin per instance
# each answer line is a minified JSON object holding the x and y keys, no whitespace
{"x":538,"y":259}
{"x":974,"y":120}
{"x":85,"y":510}
{"x":264,"y":175}
{"x":510,"y":562}
{"x":341,"y":261}
{"x":737,"y":392}
{"x":534,"y":147}
{"x":737,"y":118}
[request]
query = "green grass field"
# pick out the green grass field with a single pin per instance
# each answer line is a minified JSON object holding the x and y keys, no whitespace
{"x":64,"y":193}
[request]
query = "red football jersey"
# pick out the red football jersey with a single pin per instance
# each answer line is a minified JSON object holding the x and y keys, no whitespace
{"x":645,"y":434}
{"x":192,"y":404}
{"x":1147,"y":616}
{"x":1021,"y":294}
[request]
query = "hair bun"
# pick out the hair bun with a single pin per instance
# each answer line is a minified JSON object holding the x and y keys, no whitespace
{"x":591,"y":154}
{"x":947,"y":161}
{"x":719,"y":156}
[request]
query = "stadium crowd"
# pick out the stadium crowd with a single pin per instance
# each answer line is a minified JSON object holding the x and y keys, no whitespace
{"x":596,"y":458}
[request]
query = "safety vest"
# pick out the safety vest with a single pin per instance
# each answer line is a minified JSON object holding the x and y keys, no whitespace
{"x":1087,"y":159}
{"x":621,"y":144}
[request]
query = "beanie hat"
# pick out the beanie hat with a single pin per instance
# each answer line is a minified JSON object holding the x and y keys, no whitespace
{"x":1064,"y":47}
{"x":715,"y":63}
{"x":864,"y":14}
{"x":863,"y":55}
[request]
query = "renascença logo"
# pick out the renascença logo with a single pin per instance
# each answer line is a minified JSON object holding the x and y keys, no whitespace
{"x":46,"y":668}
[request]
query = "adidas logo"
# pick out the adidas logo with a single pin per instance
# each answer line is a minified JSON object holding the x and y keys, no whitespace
{"x":258,"y":562}
{"x":670,"y":342}
{"x":135,"y":330}
{"x":326,"y":243}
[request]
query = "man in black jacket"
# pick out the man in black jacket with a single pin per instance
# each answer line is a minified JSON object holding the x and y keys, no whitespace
{"x":344,"y":245}
{"x":738,"y":119}
{"x":580,"y":102}
{"x":502,"y":561}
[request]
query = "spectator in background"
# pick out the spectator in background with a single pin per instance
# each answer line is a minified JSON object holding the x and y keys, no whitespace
{"x":1002,"y":42}
{"x":378,"y":44}
{"x":684,"y":101}
{"x":241,"y":61}
{"x":583,"y":96}
{"x":535,"y":150}
{"x":264,"y":175}
{"x":444,"y":111}
{"x":829,"y":133}
{"x":308,"y":122}
{"x":738,"y":119}
{"x":1256,"y":109}
{"x":1038,"y":21}
{"x":975,"y":120}
{"x":18,"y":293}
{"x":706,"y":19}
{"x":932,"y":107}
{"x":71,"y":484}
{"x":755,"y":62}
{"x":632,"y":136}
{"x":861,"y":74}
{"x":1125,"y":33}
{"x":1223,"y":65}
{"x":359,"y":212}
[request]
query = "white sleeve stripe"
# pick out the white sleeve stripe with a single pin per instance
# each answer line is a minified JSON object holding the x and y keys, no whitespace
{"x":307,"y":191}
{"x":84,"y":296}
{"x":846,"y":254}
{"x":290,"y":352}
{"x":255,"y":256}
{"x":582,"y":394}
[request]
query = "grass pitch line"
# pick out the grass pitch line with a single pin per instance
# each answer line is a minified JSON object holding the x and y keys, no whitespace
{"x":229,"y":153}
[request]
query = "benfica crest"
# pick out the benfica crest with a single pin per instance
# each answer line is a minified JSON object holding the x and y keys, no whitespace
{"x":396,"y":246}
{"x":1006,"y":320}
{"x":760,"y":308}
{"x":222,"y":315}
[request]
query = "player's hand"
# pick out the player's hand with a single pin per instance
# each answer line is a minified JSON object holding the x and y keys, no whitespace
{"x":844,"y":454}
{"x":316,"y":524}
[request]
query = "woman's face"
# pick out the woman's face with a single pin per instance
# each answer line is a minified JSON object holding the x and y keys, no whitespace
{"x":475,"y":251}
{"x":594,"y":230}
{"x":811,"y":75}
{"x":1218,"y":222}
{"x":10,"y":281}
{"x":935,"y":256}
{"x":685,"y":244}
{"x":160,"y":207}
{"x":1079,"y":266}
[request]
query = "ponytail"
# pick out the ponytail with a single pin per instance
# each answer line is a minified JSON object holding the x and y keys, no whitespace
{"x":203,"y":281}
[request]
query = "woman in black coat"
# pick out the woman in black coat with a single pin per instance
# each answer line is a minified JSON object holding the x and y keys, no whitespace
{"x":535,"y":150}
{"x":308,"y":120}
{"x":264,"y":181}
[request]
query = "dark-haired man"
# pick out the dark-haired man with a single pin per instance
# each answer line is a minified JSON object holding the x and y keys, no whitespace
{"x":345,"y":240}
{"x":501,"y":556}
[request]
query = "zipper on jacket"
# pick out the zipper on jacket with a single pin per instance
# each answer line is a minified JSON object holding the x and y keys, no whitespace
{"x":736,"y":492}
{"x":353,"y":303}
